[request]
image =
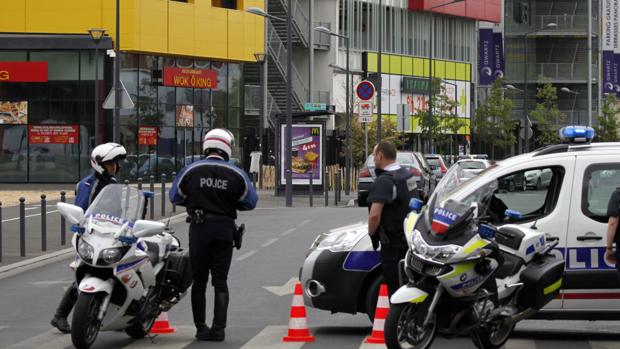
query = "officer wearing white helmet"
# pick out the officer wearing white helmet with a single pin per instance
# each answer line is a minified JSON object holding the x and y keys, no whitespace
{"x":104,"y":159}
{"x":212,"y":190}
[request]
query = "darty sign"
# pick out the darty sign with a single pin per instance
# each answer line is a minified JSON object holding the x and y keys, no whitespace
{"x":23,"y":72}
{"x":188,"y":77}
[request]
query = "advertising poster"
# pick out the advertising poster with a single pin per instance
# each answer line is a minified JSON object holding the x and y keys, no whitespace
{"x":498,"y":55}
{"x":616,"y":46}
{"x":14,"y":113}
{"x":187,"y":77}
{"x":306,"y":146}
{"x":608,"y":46}
{"x":147,"y":135}
{"x":53,"y":134}
{"x":185,"y":116}
{"x":486,"y":56}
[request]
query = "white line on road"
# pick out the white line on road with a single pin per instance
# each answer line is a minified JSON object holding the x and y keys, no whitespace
{"x":520,"y":344}
{"x":604,"y":344}
{"x":51,"y":282}
{"x":51,"y":339}
{"x":287,"y":232}
{"x":370,"y":345}
{"x":269,"y":242}
{"x":286,"y":289}
{"x":246,"y":255}
{"x":28,"y":216}
{"x":303,"y":223}
{"x":271,"y":337}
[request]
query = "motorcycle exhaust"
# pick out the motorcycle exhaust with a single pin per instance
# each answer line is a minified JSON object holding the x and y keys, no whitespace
{"x":314,"y":288}
{"x":522,"y":315}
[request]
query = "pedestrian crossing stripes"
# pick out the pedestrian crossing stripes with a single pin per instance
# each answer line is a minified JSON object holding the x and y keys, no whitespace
{"x":270,"y":337}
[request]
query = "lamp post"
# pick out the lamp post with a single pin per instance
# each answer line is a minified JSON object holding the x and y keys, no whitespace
{"x":379,"y":78}
{"x":116,"y":135}
{"x":288,"y":135}
{"x":96,"y":35}
{"x":575,"y":94}
{"x":430,"y":71}
{"x":526,"y":130}
{"x":261,"y":58}
{"x":347,"y":154}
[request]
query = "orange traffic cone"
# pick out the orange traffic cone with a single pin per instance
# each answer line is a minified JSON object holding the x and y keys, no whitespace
{"x":297,"y":327}
{"x":162,"y":325}
{"x":383,"y":307}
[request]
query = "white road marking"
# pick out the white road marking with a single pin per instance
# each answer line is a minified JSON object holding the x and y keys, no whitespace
{"x":271,"y":337}
{"x":269,"y":242}
{"x":286,"y":289}
{"x":51,"y":282}
{"x":287,"y":232}
{"x":605,"y":344}
{"x":183,"y":336}
{"x":28,"y":216}
{"x":30,"y":208}
{"x":520,"y":344}
{"x":46,"y":340}
{"x":370,"y":345}
{"x":303,"y":223}
{"x":3,"y":327}
{"x":245,"y":255}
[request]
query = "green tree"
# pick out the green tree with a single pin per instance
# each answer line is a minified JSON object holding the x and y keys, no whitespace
{"x":547,"y":116}
{"x":388,"y":132}
{"x":608,"y":125}
{"x":445,"y":122}
{"x":493,"y":123}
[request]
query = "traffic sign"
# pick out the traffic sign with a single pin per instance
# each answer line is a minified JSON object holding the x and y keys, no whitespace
{"x":315,"y":106}
{"x":365,"y":114}
{"x":365,"y":90}
{"x":126,"y":102}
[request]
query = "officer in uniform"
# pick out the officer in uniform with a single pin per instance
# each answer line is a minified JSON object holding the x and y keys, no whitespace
{"x":212,"y":190}
{"x":104,"y":160}
{"x":389,"y":199}
{"x":613,"y":212}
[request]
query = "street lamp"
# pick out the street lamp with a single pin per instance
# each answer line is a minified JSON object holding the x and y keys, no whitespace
{"x":347,"y":154}
{"x":260,"y":59}
{"x":96,"y":35}
{"x":575,"y":94}
{"x":430,"y":71}
{"x":288,"y":135}
{"x":525,"y":37}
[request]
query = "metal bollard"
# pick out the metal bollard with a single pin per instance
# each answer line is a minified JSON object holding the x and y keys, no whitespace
{"x":174,"y":206}
{"x":140,"y":183}
{"x":310,"y":189}
{"x":336,"y":188}
{"x":63,"y":225}
{"x":126,"y":183}
{"x":152,"y":203}
{"x":43,"y":223}
{"x":0,"y":231}
{"x":254,"y":175}
{"x":163,"y":195}
{"x":22,"y":227}
{"x":326,"y":188}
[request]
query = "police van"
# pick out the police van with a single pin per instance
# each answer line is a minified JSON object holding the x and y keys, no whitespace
{"x":342,"y":273}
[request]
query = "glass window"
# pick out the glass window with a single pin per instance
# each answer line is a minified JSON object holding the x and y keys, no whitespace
{"x":147,"y":91}
{"x":234,"y":118}
{"x":129,"y":116}
{"x":130,"y":142}
{"x":149,"y":114}
{"x":13,"y":153}
{"x":165,"y":94}
{"x":166,"y":145}
{"x":54,"y":162}
{"x":235,"y":85}
{"x":61,"y":65}
{"x":129,"y":73}
{"x":185,"y":95}
{"x":600,"y":181}
{"x":220,"y":94}
{"x":218,"y":117}
{"x":13,"y":56}
{"x":168,"y":112}
{"x":87,"y":65}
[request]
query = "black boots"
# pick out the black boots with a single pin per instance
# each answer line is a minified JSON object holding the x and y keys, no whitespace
{"x":220,"y":309}
{"x":61,"y":324}
{"x":201,"y":330}
{"x":64,"y":308}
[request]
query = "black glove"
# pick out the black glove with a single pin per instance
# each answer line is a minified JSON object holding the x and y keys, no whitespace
{"x":238,"y":236}
{"x":375,"y":241}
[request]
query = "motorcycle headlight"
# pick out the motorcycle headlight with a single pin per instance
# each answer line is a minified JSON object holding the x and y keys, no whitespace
{"x":440,"y":254}
{"x":113,"y":255}
{"x":85,"y":250}
{"x":338,"y":241}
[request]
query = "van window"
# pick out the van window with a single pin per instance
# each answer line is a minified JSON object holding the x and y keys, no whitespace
{"x":599,"y":183}
{"x":532,"y":192}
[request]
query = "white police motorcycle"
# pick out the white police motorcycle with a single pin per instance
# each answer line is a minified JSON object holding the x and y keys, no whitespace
{"x":128,"y":269}
{"x":466,"y":277}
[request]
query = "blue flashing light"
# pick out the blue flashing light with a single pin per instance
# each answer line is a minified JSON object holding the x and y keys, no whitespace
{"x":487,"y":231}
{"x":416,"y":205}
{"x":77,"y":229}
{"x":577,"y":134}
{"x":513,"y":214}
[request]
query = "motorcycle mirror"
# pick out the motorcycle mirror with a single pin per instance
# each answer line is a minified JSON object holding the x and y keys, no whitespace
{"x":144,"y":228}
{"x":73,"y":214}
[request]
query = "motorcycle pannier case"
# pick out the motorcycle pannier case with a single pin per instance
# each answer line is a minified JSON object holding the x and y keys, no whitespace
{"x":542,"y":281}
{"x":178,"y":272}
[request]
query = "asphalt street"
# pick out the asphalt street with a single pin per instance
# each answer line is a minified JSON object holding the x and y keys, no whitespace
{"x":274,"y":248}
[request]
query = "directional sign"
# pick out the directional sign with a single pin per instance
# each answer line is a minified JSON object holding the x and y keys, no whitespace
{"x":315,"y":106}
{"x":126,"y":102}
{"x":365,"y":90}
{"x":365,"y":114}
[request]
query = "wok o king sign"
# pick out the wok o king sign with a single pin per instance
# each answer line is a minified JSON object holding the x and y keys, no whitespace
{"x":190,"y":77}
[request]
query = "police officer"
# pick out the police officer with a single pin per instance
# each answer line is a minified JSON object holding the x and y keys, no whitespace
{"x":613,"y":212}
{"x":104,"y":160}
{"x":212,"y":190}
{"x":389,"y":199}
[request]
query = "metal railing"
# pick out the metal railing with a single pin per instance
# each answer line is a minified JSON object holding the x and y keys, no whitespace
{"x":272,"y":111}
{"x":300,"y":19}
{"x":278,"y":52}
{"x":253,"y":99}
{"x":565,"y":22}
{"x":321,"y":40}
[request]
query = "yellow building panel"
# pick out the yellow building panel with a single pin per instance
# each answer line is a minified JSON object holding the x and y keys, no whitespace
{"x":395,"y":65}
{"x":152,"y":26}
{"x":236,"y":35}
{"x":385,"y":64}
{"x":13,"y":16}
{"x":407,"y":65}
{"x":418,"y":66}
{"x":461,"y":73}
{"x":213,"y":28}
{"x":62,"y":16}
{"x":426,"y":68}
{"x":439,"y":69}
{"x":450,"y":70}
{"x":181,"y":30}
{"x":468,"y":72}
{"x":371,"y":65}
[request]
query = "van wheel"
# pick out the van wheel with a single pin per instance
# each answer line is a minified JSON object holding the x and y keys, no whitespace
{"x":371,"y":297}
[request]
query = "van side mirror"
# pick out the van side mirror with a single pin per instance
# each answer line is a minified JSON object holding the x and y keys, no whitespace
{"x":73,"y":214}
{"x":143,"y":228}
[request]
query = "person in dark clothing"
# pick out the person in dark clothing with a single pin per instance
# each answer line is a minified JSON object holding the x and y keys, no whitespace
{"x":613,"y":212}
{"x":104,"y":160}
{"x":389,"y":199}
{"x":212,"y":191}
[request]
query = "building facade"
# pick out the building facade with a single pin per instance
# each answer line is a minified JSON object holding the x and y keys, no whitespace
{"x":181,"y":63}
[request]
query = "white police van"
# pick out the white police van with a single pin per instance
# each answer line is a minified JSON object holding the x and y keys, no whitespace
{"x":342,"y":273}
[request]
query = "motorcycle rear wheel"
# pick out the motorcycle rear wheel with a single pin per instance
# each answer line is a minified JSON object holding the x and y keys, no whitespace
{"x":401,"y":330}
{"x":85,"y":325}
{"x":492,"y":338}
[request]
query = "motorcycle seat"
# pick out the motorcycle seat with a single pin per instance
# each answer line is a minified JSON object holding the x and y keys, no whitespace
{"x":152,"y":251}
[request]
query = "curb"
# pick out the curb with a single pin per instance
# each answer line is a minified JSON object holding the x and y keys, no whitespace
{"x":42,"y":260}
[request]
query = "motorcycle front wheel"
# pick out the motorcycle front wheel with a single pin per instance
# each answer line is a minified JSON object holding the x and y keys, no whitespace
{"x":404,"y":329}
{"x":142,"y":328}
{"x":493,"y":336}
{"x":85,"y":324}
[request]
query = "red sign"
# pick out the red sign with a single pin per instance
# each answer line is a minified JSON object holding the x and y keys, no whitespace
{"x":484,"y":10}
{"x":147,"y":135}
{"x":23,"y":71}
{"x":53,"y":134}
{"x":189,"y":77}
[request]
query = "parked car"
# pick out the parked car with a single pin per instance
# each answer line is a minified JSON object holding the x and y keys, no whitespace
{"x":538,"y":179}
{"x":430,"y":180}
{"x":342,"y":272}
{"x":437,"y":164}
{"x":474,"y":156}
{"x":473,"y":167}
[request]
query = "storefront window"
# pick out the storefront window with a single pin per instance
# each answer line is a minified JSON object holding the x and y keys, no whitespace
{"x":12,"y":56}
{"x":185,"y":95}
{"x":54,"y":162}
{"x":129,"y":74}
{"x":220,"y":93}
{"x":235,"y":85}
{"x":61,"y":65}
{"x":13,"y":153}
{"x":87,"y":65}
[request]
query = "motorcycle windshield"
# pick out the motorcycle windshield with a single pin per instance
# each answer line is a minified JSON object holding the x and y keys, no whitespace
{"x":446,"y":215}
{"x":116,"y":205}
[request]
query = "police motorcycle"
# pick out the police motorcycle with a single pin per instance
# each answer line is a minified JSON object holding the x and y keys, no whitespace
{"x":128,"y":269}
{"x":464,"y":276}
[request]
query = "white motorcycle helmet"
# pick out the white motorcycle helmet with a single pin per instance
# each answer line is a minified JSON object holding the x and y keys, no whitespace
{"x":104,"y":153}
{"x":221,"y":140}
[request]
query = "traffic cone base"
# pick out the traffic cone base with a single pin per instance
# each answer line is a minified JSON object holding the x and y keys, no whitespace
{"x":383,"y":307}
{"x":297,"y":327}
{"x":162,"y":325}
